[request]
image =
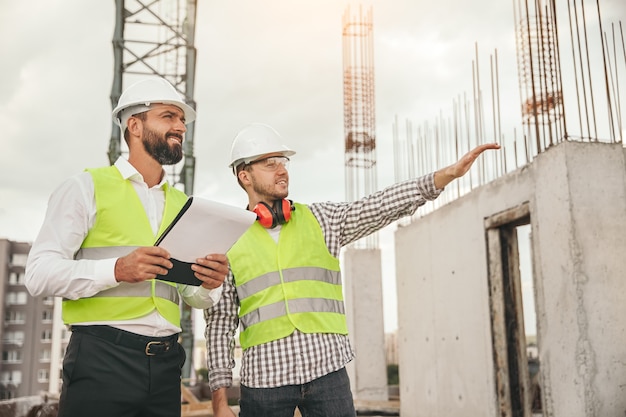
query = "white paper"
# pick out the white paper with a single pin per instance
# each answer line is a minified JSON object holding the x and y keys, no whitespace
{"x":206,"y":227}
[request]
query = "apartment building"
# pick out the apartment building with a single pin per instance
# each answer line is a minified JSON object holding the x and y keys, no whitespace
{"x":26,"y":333}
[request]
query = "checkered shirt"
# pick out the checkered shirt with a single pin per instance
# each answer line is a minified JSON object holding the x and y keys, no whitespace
{"x":300,"y":358}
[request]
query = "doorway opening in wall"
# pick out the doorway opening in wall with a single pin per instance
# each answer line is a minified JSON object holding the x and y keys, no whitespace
{"x":513,"y":313}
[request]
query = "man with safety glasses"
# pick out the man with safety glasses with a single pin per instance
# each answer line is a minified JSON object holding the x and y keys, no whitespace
{"x":285,"y":288}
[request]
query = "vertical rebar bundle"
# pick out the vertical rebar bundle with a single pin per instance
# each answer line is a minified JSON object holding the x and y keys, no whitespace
{"x":583,"y":83}
{"x":539,"y":74}
{"x":359,"y":109}
{"x":595,"y":91}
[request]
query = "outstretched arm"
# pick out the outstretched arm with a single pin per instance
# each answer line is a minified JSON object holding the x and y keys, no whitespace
{"x":446,"y":175}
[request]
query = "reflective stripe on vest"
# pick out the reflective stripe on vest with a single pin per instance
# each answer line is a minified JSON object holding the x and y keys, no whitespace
{"x":295,"y":284}
{"x":121,"y":226}
{"x":138,"y":289}
{"x":289,"y":275}
{"x":300,"y":305}
{"x":142,"y":289}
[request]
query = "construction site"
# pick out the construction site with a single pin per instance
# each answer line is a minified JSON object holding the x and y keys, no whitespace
{"x":509,"y":286}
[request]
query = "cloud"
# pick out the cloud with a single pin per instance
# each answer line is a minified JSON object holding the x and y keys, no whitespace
{"x":274,"y":61}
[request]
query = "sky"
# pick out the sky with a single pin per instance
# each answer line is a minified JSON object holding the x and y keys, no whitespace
{"x":272,"y":61}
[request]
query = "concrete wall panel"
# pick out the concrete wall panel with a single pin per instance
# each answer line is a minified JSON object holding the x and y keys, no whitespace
{"x":577,"y":198}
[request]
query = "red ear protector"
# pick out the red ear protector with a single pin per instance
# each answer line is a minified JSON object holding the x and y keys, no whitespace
{"x":272,"y":216}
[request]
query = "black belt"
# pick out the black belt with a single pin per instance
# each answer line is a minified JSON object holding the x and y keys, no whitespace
{"x":149,"y":345}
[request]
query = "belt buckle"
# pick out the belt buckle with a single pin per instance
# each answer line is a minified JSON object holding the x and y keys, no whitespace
{"x":150,"y":344}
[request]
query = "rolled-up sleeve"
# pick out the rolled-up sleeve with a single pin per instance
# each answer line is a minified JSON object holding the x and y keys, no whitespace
{"x":222,"y":322}
{"x":200,"y":297}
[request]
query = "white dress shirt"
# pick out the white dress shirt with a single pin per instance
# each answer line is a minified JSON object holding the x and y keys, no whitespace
{"x":51,"y":269}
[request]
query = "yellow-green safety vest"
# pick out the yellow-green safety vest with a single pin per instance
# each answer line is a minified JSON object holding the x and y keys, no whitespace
{"x":289,"y":285}
{"x":121,"y":226}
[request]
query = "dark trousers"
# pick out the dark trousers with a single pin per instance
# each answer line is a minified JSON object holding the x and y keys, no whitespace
{"x":102,"y":378}
{"x":327,"y":396}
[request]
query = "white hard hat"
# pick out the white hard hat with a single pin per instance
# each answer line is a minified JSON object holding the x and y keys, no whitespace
{"x":255,"y":140}
{"x":139,"y":96}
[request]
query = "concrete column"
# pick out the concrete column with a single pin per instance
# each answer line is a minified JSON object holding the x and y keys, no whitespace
{"x":580,"y":242}
{"x":364,"y":305}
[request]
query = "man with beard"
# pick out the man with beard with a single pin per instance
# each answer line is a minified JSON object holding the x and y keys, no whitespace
{"x":285,"y":288}
{"x":95,"y":249}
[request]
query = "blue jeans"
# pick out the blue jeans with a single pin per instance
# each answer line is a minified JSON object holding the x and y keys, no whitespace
{"x":327,"y":396}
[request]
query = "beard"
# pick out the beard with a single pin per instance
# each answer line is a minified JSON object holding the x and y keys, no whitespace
{"x":268,"y":190}
{"x":158,"y":147}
